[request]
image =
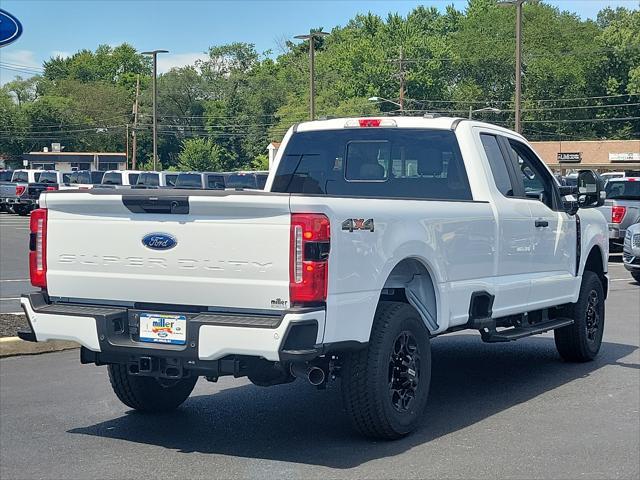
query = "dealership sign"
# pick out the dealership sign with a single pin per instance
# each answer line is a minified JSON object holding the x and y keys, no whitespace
{"x":10,"y":28}
{"x":569,"y":157}
{"x":624,"y":157}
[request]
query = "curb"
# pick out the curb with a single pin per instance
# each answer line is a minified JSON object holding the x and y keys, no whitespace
{"x":12,"y":346}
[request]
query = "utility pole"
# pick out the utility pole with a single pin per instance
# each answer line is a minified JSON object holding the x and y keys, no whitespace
{"x":518,"y":93}
{"x":401,"y":75}
{"x":402,"y":62}
{"x":312,"y":87}
{"x":127,"y":146}
{"x":134,"y":132}
{"x":154,"y":54}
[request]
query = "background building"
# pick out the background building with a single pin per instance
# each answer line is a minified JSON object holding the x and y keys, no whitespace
{"x":601,"y":155}
{"x":70,"y":161}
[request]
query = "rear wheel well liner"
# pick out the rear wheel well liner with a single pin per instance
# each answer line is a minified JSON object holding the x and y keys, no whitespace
{"x":416,"y":282}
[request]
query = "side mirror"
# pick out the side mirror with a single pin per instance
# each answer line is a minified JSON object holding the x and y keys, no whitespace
{"x":590,"y":189}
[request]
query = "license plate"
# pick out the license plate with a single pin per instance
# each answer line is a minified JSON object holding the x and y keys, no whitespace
{"x":161,"y":328}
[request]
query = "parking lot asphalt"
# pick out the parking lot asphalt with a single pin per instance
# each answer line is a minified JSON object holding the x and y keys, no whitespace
{"x":495,"y":411}
{"x":14,"y":263}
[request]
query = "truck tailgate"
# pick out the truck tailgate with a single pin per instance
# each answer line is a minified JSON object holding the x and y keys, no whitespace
{"x":231,"y":249}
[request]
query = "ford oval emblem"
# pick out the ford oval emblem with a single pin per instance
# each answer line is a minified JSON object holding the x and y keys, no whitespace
{"x":10,"y":28}
{"x":159,"y":241}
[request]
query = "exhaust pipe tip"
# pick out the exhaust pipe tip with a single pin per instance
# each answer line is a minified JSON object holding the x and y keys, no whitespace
{"x":315,"y":375}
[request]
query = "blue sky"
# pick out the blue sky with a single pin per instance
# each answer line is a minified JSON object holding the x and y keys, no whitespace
{"x":188,"y":27}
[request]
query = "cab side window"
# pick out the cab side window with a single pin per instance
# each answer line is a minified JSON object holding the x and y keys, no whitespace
{"x":498,"y":164}
{"x":536,"y":180}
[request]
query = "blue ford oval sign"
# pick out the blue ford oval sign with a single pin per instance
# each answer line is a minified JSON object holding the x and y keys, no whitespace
{"x":159,"y":241}
{"x":10,"y":28}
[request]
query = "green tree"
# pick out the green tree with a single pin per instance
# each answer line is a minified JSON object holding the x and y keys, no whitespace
{"x":201,"y":154}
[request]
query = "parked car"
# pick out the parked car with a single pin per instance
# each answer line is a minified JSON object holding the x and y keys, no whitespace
{"x":610,"y":175}
{"x":54,"y":179}
{"x":200,"y":180}
{"x":377,"y":236}
{"x":248,"y":180}
{"x":84,"y":179}
{"x":156,"y":179}
{"x":119,"y":178}
{"x":5,"y":177}
{"x":631,"y":251}
{"x":20,"y":195}
{"x":621,"y":208}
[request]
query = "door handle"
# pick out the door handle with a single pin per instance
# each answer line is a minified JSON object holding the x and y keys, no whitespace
{"x":542,"y":223}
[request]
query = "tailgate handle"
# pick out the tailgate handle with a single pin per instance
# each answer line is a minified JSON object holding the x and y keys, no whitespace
{"x":153,"y":204}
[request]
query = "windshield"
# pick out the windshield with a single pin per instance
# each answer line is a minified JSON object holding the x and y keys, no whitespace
{"x":112,"y":178}
{"x":48,"y":177}
{"x":241,"y":180}
{"x":624,"y":190}
{"x":189,"y":180}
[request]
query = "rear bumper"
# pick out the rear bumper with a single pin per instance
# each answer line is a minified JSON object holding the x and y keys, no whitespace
{"x":112,"y":331}
{"x":615,"y":232}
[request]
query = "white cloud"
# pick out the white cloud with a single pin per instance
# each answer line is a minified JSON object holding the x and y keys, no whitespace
{"x":25,"y":58}
{"x":60,"y":53}
{"x":167,"y":61}
{"x":16,"y":63}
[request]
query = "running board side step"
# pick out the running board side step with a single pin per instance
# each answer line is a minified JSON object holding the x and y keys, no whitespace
{"x":491,"y":335}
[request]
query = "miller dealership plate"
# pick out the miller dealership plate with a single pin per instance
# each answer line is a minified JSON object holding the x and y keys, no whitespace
{"x":162,"y":328}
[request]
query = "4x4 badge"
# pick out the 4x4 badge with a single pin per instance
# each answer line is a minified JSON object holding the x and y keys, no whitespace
{"x":351,"y":224}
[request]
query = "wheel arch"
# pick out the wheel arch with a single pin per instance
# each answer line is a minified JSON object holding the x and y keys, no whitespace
{"x":595,"y":262}
{"x":414,"y":277}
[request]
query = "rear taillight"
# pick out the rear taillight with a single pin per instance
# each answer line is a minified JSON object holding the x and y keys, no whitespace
{"x":617,"y":213}
{"x":38,"y":248}
{"x":20,"y":190}
{"x":51,"y":189}
{"x":309,"y":255}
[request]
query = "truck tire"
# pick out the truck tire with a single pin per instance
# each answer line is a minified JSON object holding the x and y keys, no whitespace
{"x":580,"y":342}
{"x":148,"y":394}
{"x":385,"y":386}
{"x":20,"y":210}
{"x":636,"y":276}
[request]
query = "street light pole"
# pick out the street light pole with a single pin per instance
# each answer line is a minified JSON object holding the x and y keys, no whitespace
{"x":380,"y":99}
{"x":154,"y":54}
{"x":485,"y":109}
{"x":312,"y":60}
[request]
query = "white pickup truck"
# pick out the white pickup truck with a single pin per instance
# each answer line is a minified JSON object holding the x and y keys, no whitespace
{"x":374,"y":236}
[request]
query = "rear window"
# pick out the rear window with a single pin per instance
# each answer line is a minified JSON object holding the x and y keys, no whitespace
{"x":20,"y":177}
{"x":623,"y":190}
{"x":261,"y":179}
{"x":6,"y":176}
{"x":149,"y":179}
{"x":391,"y":163}
{"x":112,"y":178}
{"x":96,"y":177}
{"x":241,"y":180}
{"x":48,"y":177}
{"x":170,"y":179}
{"x":189,"y":180}
{"x":215,"y":182}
